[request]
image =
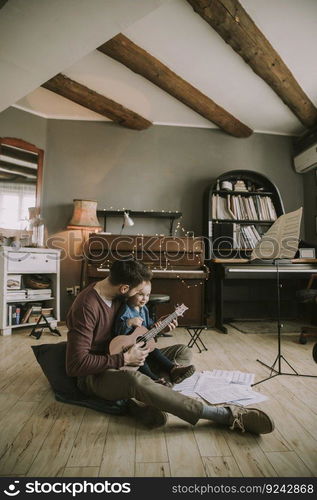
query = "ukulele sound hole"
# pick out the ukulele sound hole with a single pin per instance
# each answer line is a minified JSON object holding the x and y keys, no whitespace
{"x":141,"y":341}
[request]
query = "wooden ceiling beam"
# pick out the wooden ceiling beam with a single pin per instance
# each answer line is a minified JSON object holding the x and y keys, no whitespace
{"x":138,"y":60}
{"x":236,"y":27}
{"x":76,"y":92}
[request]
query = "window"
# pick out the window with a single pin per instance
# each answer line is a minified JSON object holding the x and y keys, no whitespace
{"x":15,"y":199}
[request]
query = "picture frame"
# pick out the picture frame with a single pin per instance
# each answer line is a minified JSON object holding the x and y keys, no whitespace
{"x":307,"y":253}
{"x":14,"y":282}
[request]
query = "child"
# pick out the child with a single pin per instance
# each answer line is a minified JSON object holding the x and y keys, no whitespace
{"x":134,"y":314}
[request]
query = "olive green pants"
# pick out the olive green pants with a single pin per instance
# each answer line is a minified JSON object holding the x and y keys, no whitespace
{"x":127,"y":384}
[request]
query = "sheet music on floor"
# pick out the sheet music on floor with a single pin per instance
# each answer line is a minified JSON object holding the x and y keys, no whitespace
{"x":234,"y":377}
{"x":221,"y":386}
{"x":226,"y":393}
{"x":187,"y":387}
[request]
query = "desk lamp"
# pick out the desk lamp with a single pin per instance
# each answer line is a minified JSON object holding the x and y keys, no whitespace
{"x":127,"y":221}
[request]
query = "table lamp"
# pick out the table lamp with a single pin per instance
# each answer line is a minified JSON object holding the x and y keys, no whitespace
{"x":84,"y":216}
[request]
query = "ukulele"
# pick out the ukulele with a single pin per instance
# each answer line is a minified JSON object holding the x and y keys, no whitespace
{"x":122,"y":343}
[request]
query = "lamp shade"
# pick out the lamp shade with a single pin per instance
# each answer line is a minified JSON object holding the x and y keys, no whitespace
{"x":84,"y":215}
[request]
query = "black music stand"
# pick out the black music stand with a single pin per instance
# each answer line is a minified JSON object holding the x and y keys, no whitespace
{"x":279,"y":357}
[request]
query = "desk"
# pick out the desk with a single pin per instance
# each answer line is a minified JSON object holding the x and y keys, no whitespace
{"x":239,"y":272}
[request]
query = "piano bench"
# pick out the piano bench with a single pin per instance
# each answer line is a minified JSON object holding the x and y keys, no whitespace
{"x":155,"y":299}
{"x":195,"y":332}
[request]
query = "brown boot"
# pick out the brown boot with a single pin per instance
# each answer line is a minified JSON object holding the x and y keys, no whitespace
{"x":163,"y":381}
{"x":250,"y":420}
{"x":179,"y":373}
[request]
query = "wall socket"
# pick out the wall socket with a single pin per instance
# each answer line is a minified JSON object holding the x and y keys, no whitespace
{"x":73,"y":290}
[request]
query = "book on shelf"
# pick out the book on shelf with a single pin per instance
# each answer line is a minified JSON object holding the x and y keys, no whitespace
{"x":26,"y":315}
{"x":47,"y":311}
{"x":239,"y":207}
{"x":10,"y":309}
{"x":14,"y":314}
{"x":16,"y":295}
{"x":214,"y":206}
{"x":230,"y":207}
{"x":210,"y":232}
{"x":33,"y":318}
{"x":44,"y":292}
{"x":31,"y":312}
{"x":50,"y":319}
{"x":245,"y":237}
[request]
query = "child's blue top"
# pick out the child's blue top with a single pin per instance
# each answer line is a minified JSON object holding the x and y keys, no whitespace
{"x":127,"y":312}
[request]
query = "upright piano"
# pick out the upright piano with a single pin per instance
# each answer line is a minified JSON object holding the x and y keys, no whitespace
{"x":252,"y":286}
{"x":177,"y":264}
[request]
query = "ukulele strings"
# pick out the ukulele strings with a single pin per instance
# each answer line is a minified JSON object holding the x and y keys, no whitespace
{"x":147,"y":336}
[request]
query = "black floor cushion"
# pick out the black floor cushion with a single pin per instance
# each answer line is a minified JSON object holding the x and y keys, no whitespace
{"x":51,"y":358}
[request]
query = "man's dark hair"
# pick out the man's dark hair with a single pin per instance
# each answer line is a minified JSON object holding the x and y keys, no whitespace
{"x":129,"y":272}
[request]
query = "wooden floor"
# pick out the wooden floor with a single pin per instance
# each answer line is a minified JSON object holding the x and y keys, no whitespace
{"x":41,"y":437}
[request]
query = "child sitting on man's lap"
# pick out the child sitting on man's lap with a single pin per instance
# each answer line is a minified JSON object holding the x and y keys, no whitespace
{"x":134,"y":314}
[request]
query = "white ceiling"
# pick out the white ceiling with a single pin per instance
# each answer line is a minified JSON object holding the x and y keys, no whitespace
{"x":170,"y":31}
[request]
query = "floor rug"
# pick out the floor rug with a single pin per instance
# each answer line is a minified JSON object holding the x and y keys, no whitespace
{"x":289,"y":327}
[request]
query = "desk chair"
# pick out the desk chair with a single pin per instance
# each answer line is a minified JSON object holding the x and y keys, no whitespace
{"x":314,"y":353}
{"x":308,"y":295}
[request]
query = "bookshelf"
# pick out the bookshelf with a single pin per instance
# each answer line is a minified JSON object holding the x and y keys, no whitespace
{"x":18,"y":297}
{"x":239,"y":207}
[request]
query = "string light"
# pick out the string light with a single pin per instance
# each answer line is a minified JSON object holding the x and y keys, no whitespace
{"x":168,"y":265}
{"x":178,"y":225}
{"x":146,"y":211}
{"x":108,"y":263}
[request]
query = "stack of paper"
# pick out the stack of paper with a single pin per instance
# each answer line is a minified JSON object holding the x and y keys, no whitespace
{"x":221,"y":386}
{"x":187,"y":387}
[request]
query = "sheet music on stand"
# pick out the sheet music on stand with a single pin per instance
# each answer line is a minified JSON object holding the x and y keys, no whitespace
{"x":281,"y":240}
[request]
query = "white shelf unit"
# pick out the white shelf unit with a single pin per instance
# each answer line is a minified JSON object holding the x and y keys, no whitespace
{"x":26,"y":261}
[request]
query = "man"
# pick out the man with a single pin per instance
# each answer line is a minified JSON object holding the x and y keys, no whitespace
{"x":90,"y":322}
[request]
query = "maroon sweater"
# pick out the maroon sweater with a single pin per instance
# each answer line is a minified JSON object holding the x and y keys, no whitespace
{"x":90,"y":322}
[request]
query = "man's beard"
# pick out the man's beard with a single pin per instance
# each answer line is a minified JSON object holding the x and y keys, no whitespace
{"x":122,"y":297}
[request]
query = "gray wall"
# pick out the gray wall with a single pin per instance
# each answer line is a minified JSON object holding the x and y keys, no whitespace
{"x":160,"y":168}
{"x":22,"y":125}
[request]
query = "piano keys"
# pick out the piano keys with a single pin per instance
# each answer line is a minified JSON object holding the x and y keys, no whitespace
{"x":249,"y":280}
{"x":251,"y":271}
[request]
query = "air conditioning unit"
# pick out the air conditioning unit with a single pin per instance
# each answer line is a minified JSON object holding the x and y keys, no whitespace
{"x":305,"y":152}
